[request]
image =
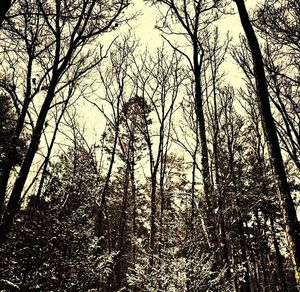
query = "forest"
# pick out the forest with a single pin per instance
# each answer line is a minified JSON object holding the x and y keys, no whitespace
{"x":164,"y":165}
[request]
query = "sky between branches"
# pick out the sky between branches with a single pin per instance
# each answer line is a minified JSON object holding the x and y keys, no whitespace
{"x":150,"y":38}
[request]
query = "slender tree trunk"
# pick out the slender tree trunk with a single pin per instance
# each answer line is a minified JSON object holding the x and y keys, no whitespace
{"x":122,"y":238}
{"x":16,"y":136}
{"x":47,"y":159}
{"x":271,"y":279}
{"x":240,"y":225}
{"x":288,"y":208}
{"x":256,"y":284}
{"x":162,"y":204}
{"x":101,"y":212}
{"x":15,"y":197}
{"x":263,"y":253}
{"x":190,"y":230}
{"x":154,"y":171}
{"x":193,"y":189}
{"x":202,"y":129}
{"x":153,"y":227}
{"x":246,"y":281}
{"x":278,"y":258}
{"x":207,"y":184}
{"x":133,"y":194}
{"x":224,"y":253}
{"x":13,"y":203}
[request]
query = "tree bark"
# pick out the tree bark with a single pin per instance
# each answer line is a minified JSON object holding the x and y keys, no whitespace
{"x":288,"y":208}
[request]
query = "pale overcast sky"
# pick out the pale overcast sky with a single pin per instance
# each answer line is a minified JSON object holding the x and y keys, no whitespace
{"x":144,"y":30}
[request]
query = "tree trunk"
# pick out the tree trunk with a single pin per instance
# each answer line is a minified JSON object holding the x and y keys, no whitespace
{"x":221,"y":195}
{"x":193,"y":189}
{"x":207,"y":184}
{"x":14,"y":201}
{"x":278,"y":259}
{"x":100,"y":216}
{"x":133,"y":194}
{"x":122,"y":236}
{"x":256,"y":283}
{"x":288,"y":208}
{"x":242,"y":240}
{"x":16,"y":136}
{"x":202,"y":129}
{"x":264,"y":251}
{"x":245,"y":284}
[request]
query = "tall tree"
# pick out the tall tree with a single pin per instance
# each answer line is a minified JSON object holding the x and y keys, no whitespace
{"x":64,"y":50}
{"x":278,"y":26}
{"x":192,"y":20}
{"x":288,"y":208}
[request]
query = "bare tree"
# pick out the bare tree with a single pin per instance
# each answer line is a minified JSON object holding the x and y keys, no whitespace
{"x":159,"y":82}
{"x":61,"y":59}
{"x":192,"y":21}
{"x":288,"y":208}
